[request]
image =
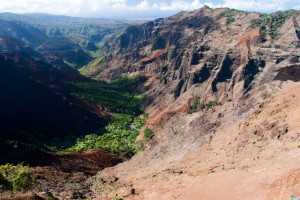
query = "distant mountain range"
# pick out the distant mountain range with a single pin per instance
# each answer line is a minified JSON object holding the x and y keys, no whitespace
{"x":74,"y":40}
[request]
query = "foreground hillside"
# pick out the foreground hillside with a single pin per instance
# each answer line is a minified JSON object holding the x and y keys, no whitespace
{"x":219,"y":153}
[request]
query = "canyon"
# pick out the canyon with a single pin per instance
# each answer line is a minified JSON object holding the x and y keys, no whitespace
{"x":220,"y":86}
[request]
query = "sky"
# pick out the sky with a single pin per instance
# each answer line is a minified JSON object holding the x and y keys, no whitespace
{"x":137,"y":8}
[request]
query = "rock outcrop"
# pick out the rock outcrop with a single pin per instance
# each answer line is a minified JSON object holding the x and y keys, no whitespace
{"x":216,"y":54}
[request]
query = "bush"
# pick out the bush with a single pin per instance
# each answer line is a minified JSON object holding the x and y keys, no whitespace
{"x":16,"y":177}
{"x":146,"y":116}
{"x":212,"y":104}
{"x":117,"y":198}
{"x":138,"y":122}
{"x":148,"y":133}
{"x":4,"y":183}
{"x":229,"y":20}
{"x":196,"y":105}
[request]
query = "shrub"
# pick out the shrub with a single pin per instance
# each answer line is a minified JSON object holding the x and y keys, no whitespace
{"x":16,"y":177}
{"x":148,"y":133}
{"x":138,"y":122}
{"x":117,"y":198}
{"x":212,"y":104}
{"x":4,"y":183}
{"x":229,"y":20}
{"x":146,"y":116}
{"x":196,"y":104}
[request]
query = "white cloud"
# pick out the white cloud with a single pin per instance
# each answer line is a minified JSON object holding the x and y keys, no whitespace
{"x":117,"y":7}
{"x":88,"y":7}
{"x":72,"y":7}
{"x":250,"y":5}
{"x":297,"y":7}
{"x":144,"y":5}
{"x":254,"y":5}
{"x":180,"y":5}
{"x":261,"y":5}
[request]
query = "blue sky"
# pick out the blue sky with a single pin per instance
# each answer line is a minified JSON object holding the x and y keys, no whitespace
{"x":137,"y":8}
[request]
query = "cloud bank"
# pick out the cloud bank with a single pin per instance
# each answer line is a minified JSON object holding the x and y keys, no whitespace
{"x":120,"y":8}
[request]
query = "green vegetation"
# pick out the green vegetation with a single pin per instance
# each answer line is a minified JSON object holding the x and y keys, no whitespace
{"x":229,"y":20}
{"x":117,"y":198}
{"x":229,"y":14}
{"x":94,"y":67}
{"x":126,"y":107}
{"x":119,"y":138}
{"x":138,"y":122}
{"x":4,"y":183}
{"x":194,"y":105}
{"x":117,"y":96}
{"x":120,"y":134}
{"x":269,"y":23}
{"x":15,"y":177}
{"x":148,"y":133}
{"x":197,"y":105}
{"x":212,"y":104}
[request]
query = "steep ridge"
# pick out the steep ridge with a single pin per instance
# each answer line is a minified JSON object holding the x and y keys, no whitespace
{"x":20,"y":30}
{"x":72,"y":39}
{"x":216,"y":54}
{"x":11,"y":45}
{"x":53,"y":49}
{"x":92,"y":29}
{"x":223,"y":98}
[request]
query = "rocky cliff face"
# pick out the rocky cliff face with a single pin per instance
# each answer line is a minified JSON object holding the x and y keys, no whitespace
{"x":215,"y":54}
{"x":195,"y":61}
